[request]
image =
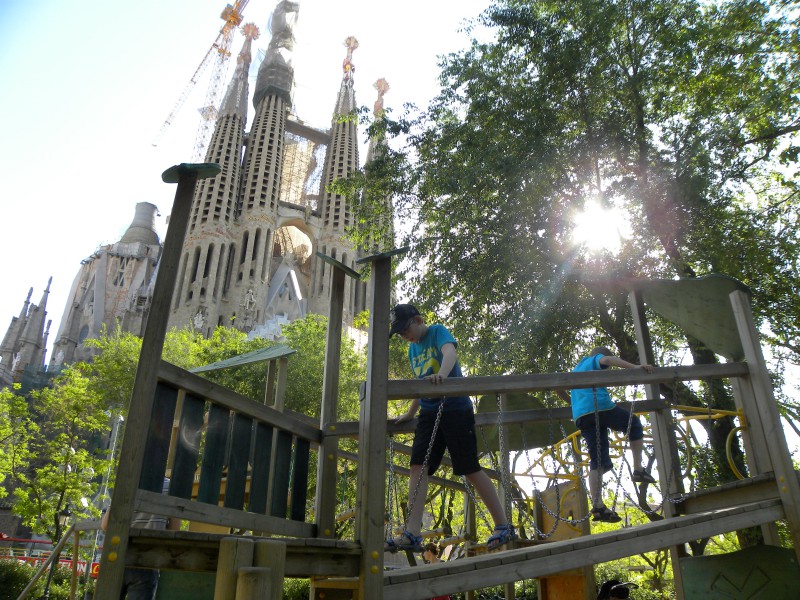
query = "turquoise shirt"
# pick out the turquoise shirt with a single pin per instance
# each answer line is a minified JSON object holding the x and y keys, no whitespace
{"x":426,"y":356}
{"x":583,"y":399}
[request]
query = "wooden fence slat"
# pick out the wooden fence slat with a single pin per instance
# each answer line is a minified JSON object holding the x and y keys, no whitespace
{"x":237,"y":463}
{"x":217,"y":432}
{"x":154,"y":465}
{"x":280,"y":477}
{"x":300,"y":480}
{"x":259,"y":479}
{"x":190,"y":431}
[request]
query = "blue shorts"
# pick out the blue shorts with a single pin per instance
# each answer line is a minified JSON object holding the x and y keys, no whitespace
{"x":617,"y":419}
{"x":456,"y":432}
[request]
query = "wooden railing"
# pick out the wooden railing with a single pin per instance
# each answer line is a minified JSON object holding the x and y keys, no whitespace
{"x":261,"y":453}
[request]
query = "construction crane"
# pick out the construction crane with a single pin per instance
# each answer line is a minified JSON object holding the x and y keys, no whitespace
{"x":219,"y":53}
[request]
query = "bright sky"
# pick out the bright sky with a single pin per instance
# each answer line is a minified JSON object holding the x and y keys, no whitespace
{"x":86,"y":87}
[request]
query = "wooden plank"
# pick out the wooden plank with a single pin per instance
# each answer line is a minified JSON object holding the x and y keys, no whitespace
{"x":327,"y":473}
{"x":788,"y":485}
{"x":663,"y":431}
{"x":234,"y":554}
{"x":236,"y":402}
{"x":269,"y":387}
{"x":193,"y":551}
{"x":511,"y":417}
{"x":144,"y":386}
{"x":238,"y":462}
{"x":398,"y":389}
{"x":372,"y":435}
{"x":158,"y":437}
{"x":539,"y":561}
{"x":187,"y":451}
{"x":170,"y":506}
{"x":280,"y":477}
{"x":297,"y":511}
{"x":272,"y":554}
{"x":742,"y":491}
{"x":262,"y":458}
{"x":216,"y":442}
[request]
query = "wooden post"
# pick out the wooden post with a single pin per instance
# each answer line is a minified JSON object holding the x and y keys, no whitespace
{"x":505,"y":485}
{"x":254,"y":583}
{"x":280,"y":389}
{"x":326,"y":459}
{"x":669,"y":466}
{"x":272,"y":554}
{"x":76,"y":546}
{"x":471,"y":529}
{"x":785,"y":476}
{"x":371,"y":502}
{"x":132,"y":453}
{"x":234,"y":554}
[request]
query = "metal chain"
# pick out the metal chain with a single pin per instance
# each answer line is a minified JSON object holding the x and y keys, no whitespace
{"x":505,"y":476}
{"x":413,"y":498}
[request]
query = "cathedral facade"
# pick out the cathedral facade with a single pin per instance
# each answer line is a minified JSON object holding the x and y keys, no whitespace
{"x":248,"y":258}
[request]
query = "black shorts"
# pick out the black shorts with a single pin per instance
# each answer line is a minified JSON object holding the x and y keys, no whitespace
{"x":456,"y":432}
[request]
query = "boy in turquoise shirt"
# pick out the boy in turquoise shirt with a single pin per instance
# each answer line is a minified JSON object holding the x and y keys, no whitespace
{"x":433,"y":356}
{"x":594,"y":412}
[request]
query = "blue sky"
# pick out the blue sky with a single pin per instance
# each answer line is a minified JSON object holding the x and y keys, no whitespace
{"x":86,"y":87}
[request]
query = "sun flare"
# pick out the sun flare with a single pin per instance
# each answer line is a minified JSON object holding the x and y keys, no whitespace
{"x":599,"y":228}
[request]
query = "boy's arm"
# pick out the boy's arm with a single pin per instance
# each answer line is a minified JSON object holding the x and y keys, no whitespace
{"x":410,"y":413}
{"x":616,"y":361}
{"x":449,"y":358}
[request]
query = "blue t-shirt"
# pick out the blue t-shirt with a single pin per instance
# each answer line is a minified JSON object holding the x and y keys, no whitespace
{"x":583,"y":399}
{"x":425,"y":357}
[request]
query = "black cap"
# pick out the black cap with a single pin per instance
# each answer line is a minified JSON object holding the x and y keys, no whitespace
{"x":613,"y":588}
{"x":401,"y":316}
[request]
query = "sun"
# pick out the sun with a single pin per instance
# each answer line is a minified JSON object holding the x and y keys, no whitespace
{"x":598,"y":229}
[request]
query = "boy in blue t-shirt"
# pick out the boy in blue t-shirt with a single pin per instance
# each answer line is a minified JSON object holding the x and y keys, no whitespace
{"x":594,"y":412}
{"x":433,"y":356}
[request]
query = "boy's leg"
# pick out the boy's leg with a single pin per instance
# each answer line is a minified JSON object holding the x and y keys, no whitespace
{"x":488,"y":494}
{"x":417,"y":492}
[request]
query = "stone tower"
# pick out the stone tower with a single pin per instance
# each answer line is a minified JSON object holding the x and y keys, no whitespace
{"x":23,"y":347}
{"x":248,"y":259}
{"x":113,"y":287}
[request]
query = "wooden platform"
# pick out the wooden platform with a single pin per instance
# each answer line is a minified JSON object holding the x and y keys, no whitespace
{"x":192,"y":551}
{"x":528,"y":563}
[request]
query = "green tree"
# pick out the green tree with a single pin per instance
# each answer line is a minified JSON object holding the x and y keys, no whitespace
{"x":71,"y":421}
{"x":682,"y":116}
{"x":16,"y":431}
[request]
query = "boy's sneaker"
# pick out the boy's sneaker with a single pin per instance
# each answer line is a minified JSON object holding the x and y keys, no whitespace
{"x":604,"y":514}
{"x":642,"y":476}
{"x":406,"y":541}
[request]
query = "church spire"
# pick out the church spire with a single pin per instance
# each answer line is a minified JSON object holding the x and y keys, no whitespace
{"x":235,"y":100}
{"x":346,"y":103}
{"x":276,"y":74}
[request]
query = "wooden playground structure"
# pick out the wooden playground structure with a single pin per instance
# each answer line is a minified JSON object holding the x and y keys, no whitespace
{"x":244,"y":465}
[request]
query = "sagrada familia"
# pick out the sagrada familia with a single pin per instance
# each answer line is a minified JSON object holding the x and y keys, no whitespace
{"x":248,"y":259}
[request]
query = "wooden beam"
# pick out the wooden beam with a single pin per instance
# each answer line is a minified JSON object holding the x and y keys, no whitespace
{"x":663,"y":430}
{"x":327,"y":474}
{"x":533,"y":415}
{"x":398,"y":389}
{"x":195,"y":551}
{"x":539,"y":561}
{"x":371,"y":501}
{"x":169,"y":506}
{"x":142,"y":396}
{"x":788,"y":485}
{"x":229,"y":399}
{"x":742,"y":491}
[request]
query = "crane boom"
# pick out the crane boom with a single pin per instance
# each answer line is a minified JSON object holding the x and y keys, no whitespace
{"x":220,"y":49}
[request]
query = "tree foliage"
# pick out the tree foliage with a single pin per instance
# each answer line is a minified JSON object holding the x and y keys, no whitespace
{"x":64,"y":454}
{"x":679,"y":115}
